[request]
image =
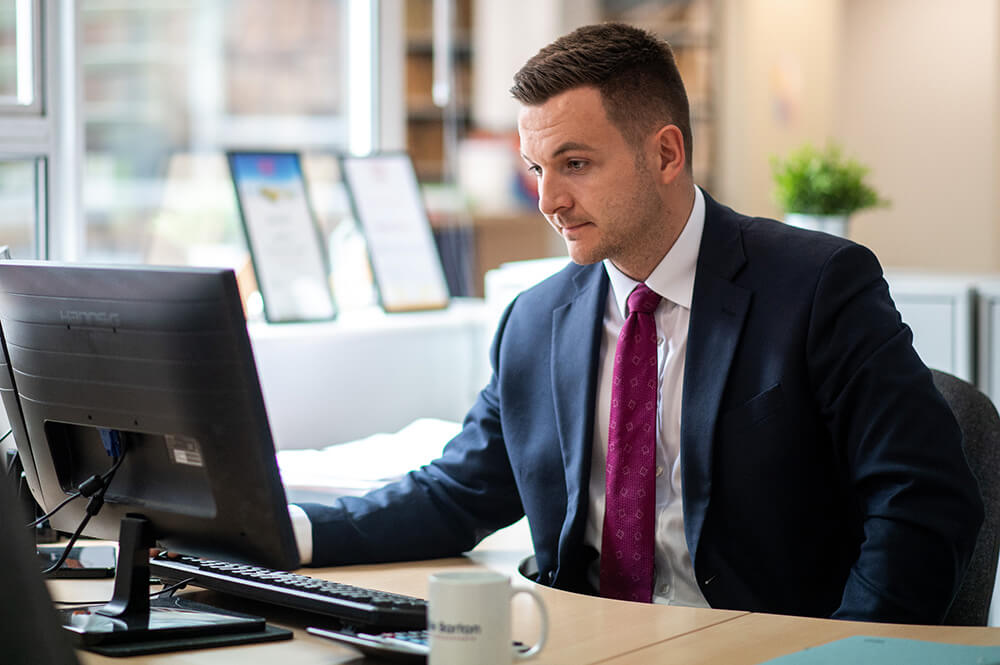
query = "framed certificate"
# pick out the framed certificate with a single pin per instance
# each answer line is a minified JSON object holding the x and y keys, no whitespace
{"x":284,"y":241}
{"x":389,"y":209}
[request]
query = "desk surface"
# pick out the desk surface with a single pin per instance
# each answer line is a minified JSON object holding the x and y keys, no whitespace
{"x":754,"y":638}
{"x":578,"y":630}
{"x":583,"y":629}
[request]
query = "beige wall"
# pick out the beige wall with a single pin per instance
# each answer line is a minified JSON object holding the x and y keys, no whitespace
{"x":776,"y":90}
{"x":911,"y":87}
{"x":920,"y":82}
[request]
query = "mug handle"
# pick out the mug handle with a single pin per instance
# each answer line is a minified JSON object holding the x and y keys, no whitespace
{"x":543,"y":634}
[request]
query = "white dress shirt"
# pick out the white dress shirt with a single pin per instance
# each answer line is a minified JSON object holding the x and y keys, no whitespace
{"x":302,"y":528}
{"x":673,"y":279}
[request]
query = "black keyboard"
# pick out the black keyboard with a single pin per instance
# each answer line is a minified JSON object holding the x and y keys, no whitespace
{"x":352,"y":605}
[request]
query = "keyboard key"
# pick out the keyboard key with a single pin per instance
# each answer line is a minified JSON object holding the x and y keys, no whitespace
{"x":353,"y":605}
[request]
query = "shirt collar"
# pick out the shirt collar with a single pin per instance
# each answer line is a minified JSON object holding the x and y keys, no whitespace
{"x":673,"y":277}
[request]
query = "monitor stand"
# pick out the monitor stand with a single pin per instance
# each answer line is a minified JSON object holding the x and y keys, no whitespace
{"x":132,"y":624}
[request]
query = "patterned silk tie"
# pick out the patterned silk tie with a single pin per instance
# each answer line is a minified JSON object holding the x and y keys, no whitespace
{"x":630,"y":499}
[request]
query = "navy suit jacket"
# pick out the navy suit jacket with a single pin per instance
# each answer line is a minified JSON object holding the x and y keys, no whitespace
{"x":823,"y":473}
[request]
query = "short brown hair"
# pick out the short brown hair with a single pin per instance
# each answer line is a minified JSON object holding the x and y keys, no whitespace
{"x":634,"y":70}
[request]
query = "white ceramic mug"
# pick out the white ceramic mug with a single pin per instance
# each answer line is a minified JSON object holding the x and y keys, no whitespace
{"x":468,"y":619}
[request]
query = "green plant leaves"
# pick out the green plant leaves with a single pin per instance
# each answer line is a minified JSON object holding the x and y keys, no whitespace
{"x":822,"y":182}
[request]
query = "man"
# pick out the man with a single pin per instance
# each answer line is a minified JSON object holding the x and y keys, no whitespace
{"x":802,"y":461}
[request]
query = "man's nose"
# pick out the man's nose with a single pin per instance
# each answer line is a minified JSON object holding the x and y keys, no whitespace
{"x":553,"y":196}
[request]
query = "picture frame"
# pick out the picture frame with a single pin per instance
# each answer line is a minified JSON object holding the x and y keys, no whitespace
{"x":386,"y":200}
{"x":284,"y":240}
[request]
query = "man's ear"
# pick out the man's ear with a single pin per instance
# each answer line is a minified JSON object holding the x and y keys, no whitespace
{"x":670,"y":150}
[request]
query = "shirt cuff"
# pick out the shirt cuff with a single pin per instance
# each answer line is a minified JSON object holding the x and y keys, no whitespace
{"x":302,"y":528}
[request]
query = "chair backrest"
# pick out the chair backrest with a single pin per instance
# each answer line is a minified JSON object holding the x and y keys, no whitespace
{"x":29,"y":631}
{"x":977,"y":416}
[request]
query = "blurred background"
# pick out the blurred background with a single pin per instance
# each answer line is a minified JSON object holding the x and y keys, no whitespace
{"x":115,"y":114}
{"x":115,"y":117}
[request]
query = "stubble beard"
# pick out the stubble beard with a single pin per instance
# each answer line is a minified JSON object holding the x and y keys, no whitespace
{"x":633,"y":241}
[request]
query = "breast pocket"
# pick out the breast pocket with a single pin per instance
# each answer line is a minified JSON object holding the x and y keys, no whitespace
{"x":755,"y":411}
{"x":752,"y":441}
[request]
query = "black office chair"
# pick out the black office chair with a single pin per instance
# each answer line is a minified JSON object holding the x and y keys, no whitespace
{"x":29,"y":632}
{"x":977,"y":416}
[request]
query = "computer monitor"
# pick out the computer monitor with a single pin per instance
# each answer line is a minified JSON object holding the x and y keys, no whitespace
{"x":159,"y":360}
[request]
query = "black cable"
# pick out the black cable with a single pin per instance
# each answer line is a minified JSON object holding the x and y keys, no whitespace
{"x":87,"y":488}
{"x":93,"y":507}
{"x":173,"y":587}
{"x":54,"y":510}
{"x":12,"y":467}
{"x":69,"y":545}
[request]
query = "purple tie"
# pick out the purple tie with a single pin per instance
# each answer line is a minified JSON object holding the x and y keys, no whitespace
{"x":630,"y":499}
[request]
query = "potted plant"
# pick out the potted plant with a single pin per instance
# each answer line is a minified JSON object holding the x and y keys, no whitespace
{"x":820,"y":189}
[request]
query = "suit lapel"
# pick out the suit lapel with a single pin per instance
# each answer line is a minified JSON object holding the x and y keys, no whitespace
{"x":718,"y":309}
{"x":576,"y":335}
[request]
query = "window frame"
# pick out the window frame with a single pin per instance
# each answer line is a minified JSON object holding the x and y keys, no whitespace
{"x":51,"y":129}
{"x":29,"y":17}
{"x":29,"y":132}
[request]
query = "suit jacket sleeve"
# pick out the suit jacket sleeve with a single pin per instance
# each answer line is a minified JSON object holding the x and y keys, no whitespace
{"x":439,"y":510}
{"x":919,"y":504}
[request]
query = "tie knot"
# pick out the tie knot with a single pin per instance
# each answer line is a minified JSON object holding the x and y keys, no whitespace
{"x":643,"y":299}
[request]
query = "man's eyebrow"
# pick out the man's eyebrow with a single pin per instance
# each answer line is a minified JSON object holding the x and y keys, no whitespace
{"x":569,"y":146}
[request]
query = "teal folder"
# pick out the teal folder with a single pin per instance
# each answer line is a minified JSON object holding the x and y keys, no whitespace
{"x":862,"y":650}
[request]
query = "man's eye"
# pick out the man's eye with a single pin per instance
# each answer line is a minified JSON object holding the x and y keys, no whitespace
{"x":576,"y":164}
{"x":535,"y":170}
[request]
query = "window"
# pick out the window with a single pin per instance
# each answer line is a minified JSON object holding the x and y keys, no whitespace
{"x":22,"y":206}
{"x":24,"y":131}
{"x":167,"y":87}
{"x":20,"y":84}
{"x":114,"y":117}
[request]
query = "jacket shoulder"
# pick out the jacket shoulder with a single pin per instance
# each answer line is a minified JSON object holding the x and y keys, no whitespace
{"x":562,"y":286}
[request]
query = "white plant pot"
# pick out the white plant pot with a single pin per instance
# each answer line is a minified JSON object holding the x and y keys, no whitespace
{"x":832,"y":224}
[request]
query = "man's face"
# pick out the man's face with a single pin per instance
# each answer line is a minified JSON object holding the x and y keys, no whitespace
{"x":592,"y":188}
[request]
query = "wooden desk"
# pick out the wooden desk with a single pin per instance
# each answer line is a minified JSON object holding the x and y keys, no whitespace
{"x":754,"y":638}
{"x":583,"y":630}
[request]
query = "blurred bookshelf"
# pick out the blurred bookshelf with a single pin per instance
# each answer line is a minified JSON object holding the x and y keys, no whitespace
{"x":690,"y":27}
{"x":427,"y":125}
